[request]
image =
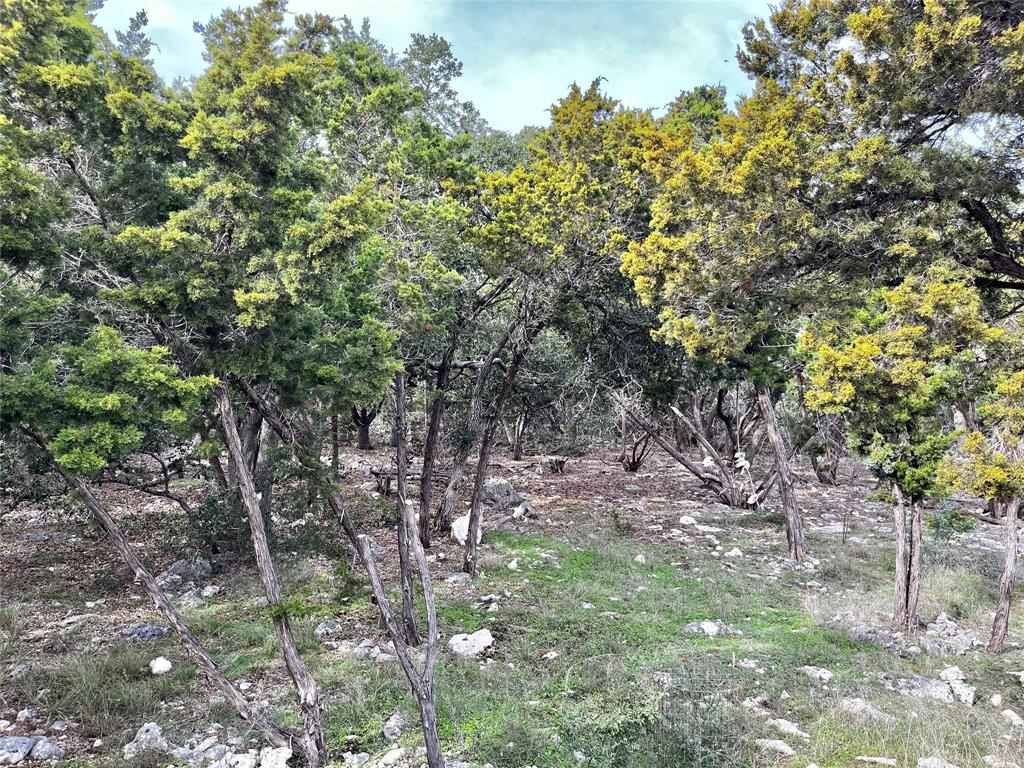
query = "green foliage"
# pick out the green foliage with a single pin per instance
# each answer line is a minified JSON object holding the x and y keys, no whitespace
{"x":947,"y":521}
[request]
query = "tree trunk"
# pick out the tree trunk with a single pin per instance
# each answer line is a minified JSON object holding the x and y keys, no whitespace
{"x":335,"y":448}
{"x":309,"y":697}
{"x":916,"y":547}
{"x":1010,"y":537}
{"x":273,"y":733}
{"x":402,"y":467}
{"x":899,"y":611}
{"x":794,"y":526}
{"x":518,"y":432}
{"x":430,"y":444}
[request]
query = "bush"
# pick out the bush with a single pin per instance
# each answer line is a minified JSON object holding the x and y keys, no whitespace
{"x":947,"y":521}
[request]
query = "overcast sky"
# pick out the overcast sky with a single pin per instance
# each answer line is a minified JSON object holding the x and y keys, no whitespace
{"x":519,"y":56}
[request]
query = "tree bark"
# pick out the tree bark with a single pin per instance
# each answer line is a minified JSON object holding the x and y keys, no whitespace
{"x":899,"y":612}
{"x":1001,"y":623}
{"x":402,"y":467}
{"x":313,"y":745}
{"x":430,"y":444}
{"x":273,"y":733}
{"x":335,"y":448}
{"x":794,"y":525}
{"x":363,"y":418}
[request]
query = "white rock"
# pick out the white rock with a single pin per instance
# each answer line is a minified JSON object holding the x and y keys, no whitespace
{"x":149,"y":738}
{"x":734,"y":552}
{"x":1012,"y":717}
{"x":995,"y":700}
{"x":640,"y":559}
{"x":472,"y":644}
{"x":863,"y":708}
{"x":776,"y":745}
{"x":275,"y":757}
{"x":820,"y":674}
{"x":514,"y":565}
{"x":14,"y":749}
{"x":391,"y":757}
{"x":210,"y":590}
{"x":871,"y":760}
{"x":963,"y":691}
{"x":789,"y":728}
{"x":460,"y":530}
{"x":159,"y":666}
{"x":550,"y":656}
{"x":934,"y":762}
{"x":992,"y":761}
{"x":687,"y":520}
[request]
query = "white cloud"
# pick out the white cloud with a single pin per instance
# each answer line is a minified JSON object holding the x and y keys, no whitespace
{"x":519,"y":56}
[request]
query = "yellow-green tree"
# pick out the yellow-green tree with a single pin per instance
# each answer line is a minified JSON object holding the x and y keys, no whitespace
{"x":992,"y":468}
{"x":891,"y":368}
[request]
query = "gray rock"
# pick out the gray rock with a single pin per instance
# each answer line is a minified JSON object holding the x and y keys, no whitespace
{"x":275,"y":757}
{"x":14,"y":749}
{"x":933,"y":762}
{"x":27,"y":715}
{"x":922,"y":687}
{"x":145,"y":631}
{"x":397,"y":724}
{"x":820,"y":674}
{"x":862,"y":708}
{"x":501,"y":493}
{"x":184,"y":571}
{"x":149,"y":738}
{"x":328,"y":630}
{"x":776,"y":745}
{"x":45,"y":749}
{"x":19,"y":672}
{"x":472,"y":644}
{"x":710,"y":628}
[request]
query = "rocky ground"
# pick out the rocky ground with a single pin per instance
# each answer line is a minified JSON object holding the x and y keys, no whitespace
{"x":622,"y":619}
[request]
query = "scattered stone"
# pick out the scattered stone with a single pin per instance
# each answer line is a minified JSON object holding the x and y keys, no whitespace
{"x":145,"y":631}
{"x":327,"y":630}
{"x":19,"y":671}
{"x":934,"y":762}
{"x":184,"y":571}
{"x":275,"y":757}
{"x":460,"y":530}
{"x":355,"y":759}
{"x":776,"y":745}
{"x":160,"y":666}
{"x":789,"y":728}
{"x":391,"y":757}
{"x":469,"y":645}
{"x":45,"y":749}
{"x":862,"y":708}
{"x":397,"y":724}
{"x":922,"y":687}
{"x":734,"y":552}
{"x":500,"y":492}
{"x":458,"y":577}
{"x":149,"y":738}
{"x":710,"y":628}
{"x":1012,"y":718}
{"x":524,"y":510}
{"x":27,"y":715}
{"x":995,"y":700}
{"x":687,"y":520}
{"x":550,"y":656}
{"x":640,"y":559}
{"x":864,"y":633}
{"x":514,"y":565}
{"x":820,"y":674}
{"x":870,"y":760}
{"x":992,"y":761}
{"x":192,"y":599}
{"x":210,"y":590}
{"x":14,"y":749}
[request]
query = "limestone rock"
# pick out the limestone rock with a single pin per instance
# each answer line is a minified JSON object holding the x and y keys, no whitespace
{"x":470,"y":645}
{"x":14,"y":749}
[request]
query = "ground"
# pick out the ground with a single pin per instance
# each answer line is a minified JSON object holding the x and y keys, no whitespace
{"x":599,"y":656}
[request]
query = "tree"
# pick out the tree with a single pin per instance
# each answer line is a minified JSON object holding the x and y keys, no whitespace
{"x":891,"y":369}
{"x":992,"y":468}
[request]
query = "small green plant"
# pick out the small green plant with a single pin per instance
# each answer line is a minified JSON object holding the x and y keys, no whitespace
{"x":947,"y":521}
{"x":883,"y":495}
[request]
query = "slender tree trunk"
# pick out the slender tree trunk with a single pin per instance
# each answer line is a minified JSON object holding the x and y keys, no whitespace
{"x":916,"y":550}
{"x":430,"y":444}
{"x":309,"y":697}
{"x":899,"y":612}
{"x":1010,"y":537}
{"x":335,"y":448}
{"x":487,"y":443}
{"x":623,"y":436}
{"x":518,"y":433}
{"x":794,"y":525}
{"x":273,"y":733}
{"x":402,"y":461}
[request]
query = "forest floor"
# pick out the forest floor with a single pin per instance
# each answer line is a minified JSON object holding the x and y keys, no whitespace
{"x":595,"y":605}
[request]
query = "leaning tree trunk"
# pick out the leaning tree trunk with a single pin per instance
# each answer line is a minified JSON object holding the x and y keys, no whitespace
{"x":794,"y":525}
{"x":309,"y":696}
{"x":1010,"y":537}
{"x":430,"y":444}
{"x":402,"y":460}
{"x":254,"y":715}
